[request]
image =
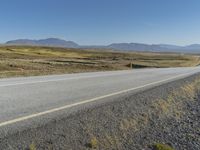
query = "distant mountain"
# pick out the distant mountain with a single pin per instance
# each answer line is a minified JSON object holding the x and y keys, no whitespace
{"x":54,"y":42}
{"x":44,"y":42}
{"x":168,"y":46}
{"x":21,"y":42}
{"x":194,"y":48}
{"x":134,"y":46}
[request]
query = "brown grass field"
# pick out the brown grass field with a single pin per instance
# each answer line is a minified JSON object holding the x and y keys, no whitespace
{"x":30,"y":61}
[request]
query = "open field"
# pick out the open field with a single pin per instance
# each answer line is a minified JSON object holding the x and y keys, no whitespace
{"x":28,"y":61}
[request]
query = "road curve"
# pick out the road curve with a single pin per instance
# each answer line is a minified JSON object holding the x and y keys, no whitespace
{"x":24,"y":99}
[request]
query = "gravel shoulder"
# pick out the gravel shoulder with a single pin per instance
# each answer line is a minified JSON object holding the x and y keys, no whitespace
{"x":168,"y":114}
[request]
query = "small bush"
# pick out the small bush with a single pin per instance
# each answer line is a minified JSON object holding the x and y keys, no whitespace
{"x":32,"y":147}
{"x":160,"y":146}
{"x":93,"y":143}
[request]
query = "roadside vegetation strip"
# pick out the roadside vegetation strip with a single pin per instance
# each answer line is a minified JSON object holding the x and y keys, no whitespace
{"x":32,"y":61}
{"x":172,"y":107}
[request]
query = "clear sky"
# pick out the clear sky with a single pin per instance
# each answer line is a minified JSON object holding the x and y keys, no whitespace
{"x":102,"y":21}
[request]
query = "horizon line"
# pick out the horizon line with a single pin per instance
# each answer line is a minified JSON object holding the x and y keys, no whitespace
{"x":37,"y":39}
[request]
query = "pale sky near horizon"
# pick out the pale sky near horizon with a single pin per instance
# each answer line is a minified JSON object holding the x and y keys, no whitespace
{"x":96,"y":22}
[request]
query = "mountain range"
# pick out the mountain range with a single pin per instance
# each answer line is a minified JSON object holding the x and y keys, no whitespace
{"x":55,"y":42}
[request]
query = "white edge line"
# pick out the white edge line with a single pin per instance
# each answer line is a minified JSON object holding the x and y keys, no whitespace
{"x":85,"y":101}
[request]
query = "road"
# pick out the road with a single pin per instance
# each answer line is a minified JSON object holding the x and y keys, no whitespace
{"x":30,"y":98}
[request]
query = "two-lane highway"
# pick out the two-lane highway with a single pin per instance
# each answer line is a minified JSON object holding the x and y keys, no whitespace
{"x":22,"y":99}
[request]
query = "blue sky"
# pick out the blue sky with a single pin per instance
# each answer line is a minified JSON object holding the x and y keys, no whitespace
{"x":102,"y":21}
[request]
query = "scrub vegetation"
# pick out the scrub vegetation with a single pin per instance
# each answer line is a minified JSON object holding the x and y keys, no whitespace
{"x":160,"y":146}
{"x":30,"y":61}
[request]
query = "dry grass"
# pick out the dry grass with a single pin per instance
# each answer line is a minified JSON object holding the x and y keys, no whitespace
{"x":26,"y":61}
{"x":134,"y":124}
{"x":170,"y":107}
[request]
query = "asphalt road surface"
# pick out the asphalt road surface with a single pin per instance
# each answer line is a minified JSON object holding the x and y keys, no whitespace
{"x":28,"y":99}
